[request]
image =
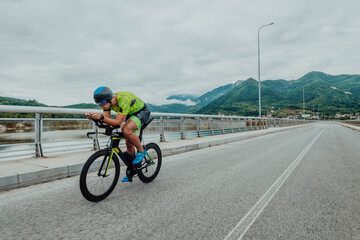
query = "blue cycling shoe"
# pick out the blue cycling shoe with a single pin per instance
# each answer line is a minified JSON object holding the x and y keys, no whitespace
{"x":139,"y":157}
{"x":125,"y":179}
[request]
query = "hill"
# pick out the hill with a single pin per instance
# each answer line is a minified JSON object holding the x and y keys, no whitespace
{"x":34,"y":103}
{"x":326,"y":93}
{"x":19,"y":102}
{"x":201,"y":101}
{"x":83,"y":106}
{"x":169,"y":108}
{"x":212,"y":95}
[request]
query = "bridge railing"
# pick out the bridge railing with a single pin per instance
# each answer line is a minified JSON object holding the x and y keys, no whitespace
{"x":39,"y":136}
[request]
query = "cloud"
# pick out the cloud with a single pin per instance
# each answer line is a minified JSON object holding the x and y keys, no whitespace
{"x":58,"y":52}
{"x":188,"y":102}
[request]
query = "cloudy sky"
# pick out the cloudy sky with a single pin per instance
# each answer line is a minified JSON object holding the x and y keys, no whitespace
{"x":59,"y":51}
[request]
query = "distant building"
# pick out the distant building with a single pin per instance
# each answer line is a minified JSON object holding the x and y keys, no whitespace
{"x":345,"y":116}
{"x":339,"y":115}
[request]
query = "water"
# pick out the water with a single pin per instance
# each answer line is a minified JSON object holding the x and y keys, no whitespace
{"x":17,"y":137}
{"x":19,"y":145}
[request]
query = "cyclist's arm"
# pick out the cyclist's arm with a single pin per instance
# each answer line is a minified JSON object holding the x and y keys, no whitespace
{"x":119,"y":119}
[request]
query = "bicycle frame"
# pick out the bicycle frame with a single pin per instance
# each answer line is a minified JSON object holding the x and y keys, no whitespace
{"x":96,"y":188}
{"x":114,"y":148}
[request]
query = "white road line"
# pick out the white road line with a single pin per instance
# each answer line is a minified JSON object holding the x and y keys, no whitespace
{"x":245,"y":223}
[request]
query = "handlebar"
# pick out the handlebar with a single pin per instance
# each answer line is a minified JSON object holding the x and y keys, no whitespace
{"x":109,"y":128}
{"x":101,"y":124}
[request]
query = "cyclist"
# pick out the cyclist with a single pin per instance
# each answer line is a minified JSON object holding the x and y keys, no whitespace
{"x":129,"y":108}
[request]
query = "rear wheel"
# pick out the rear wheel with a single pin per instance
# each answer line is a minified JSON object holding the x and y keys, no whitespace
{"x":151,"y":164}
{"x":95,"y":185}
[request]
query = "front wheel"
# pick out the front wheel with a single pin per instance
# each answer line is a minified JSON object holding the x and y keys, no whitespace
{"x":151,"y":164}
{"x":99,"y":176}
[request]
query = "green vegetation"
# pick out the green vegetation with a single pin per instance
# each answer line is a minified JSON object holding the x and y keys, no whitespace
{"x":323,"y":93}
{"x":169,"y":108}
{"x":202,"y":101}
{"x":84,"y":106}
{"x":34,"y":103}
{"x":20,"y":102}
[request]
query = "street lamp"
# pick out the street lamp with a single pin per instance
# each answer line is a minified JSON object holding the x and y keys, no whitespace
{"x":259,"y":65}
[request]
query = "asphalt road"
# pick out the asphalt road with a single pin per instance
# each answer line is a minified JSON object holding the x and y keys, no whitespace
{"x":298,"y":184}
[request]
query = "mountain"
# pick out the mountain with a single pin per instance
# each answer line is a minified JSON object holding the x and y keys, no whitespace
{"x":34,"y":103}
{"x":22,"y":102}
{"x":14,"y":99}
{"x":200,"y":102}
{"x":241,"y":98}
{"x":83,"y":106}
{"x":330,"y":94}
{"x":19,"y":102}
{"x":324,"y":93}
{"x":169,"y":108}
{"x":349,"y":83}
{"x":210,"y":96}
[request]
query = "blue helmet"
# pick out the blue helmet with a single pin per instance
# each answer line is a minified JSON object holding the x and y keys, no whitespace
{"x":103,"y":93}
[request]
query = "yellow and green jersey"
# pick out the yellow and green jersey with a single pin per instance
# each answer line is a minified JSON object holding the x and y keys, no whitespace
{"x":127,"y":103}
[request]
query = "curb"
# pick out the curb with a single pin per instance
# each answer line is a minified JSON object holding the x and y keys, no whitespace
{"x":349,"y":126}
{"x":46,"y":175}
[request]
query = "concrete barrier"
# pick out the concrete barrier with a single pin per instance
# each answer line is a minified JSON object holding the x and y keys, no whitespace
{"x":349,"y":126}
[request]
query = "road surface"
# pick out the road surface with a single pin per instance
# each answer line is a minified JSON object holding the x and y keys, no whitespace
{"x":297,"y":184}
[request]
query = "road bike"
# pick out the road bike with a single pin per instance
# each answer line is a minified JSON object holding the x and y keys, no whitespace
{"x":101,"y":171}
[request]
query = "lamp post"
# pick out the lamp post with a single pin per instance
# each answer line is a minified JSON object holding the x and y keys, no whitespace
{"x":303,"y":101}
{"x":259,"y":65}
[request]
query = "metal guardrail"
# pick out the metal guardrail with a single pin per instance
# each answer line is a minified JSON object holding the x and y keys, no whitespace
{"x":193,"y":125}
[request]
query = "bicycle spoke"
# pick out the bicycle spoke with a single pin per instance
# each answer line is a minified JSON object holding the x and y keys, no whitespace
{"x":97,"y":185}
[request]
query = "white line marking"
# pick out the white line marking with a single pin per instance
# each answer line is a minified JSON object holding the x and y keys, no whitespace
{"x":245,"y":223}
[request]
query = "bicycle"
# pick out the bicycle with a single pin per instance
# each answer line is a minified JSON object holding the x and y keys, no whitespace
{"x":101,"y":171}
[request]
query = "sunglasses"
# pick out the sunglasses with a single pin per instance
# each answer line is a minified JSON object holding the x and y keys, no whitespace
{"x":102,"y":102}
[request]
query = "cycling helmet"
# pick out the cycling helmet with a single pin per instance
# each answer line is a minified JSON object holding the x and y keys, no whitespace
{"x":103,"y":93}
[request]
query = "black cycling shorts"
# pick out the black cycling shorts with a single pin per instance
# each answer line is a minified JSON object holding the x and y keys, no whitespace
{"x":143,"y":115}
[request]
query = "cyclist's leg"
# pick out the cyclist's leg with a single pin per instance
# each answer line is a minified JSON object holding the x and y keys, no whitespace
{"x":128,"y":129}
{"x":141,"y":152}
{"x":130,"y":148}
{"x":131,"y":140}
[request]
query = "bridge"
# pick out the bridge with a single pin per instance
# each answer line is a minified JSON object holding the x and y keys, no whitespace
{"x":257,"y":179}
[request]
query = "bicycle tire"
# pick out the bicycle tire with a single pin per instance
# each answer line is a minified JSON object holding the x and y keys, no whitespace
{"x":150,"y":170}
{"x":87,"y":190}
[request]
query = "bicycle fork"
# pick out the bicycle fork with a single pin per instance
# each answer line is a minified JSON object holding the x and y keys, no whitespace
{"x":108,"y":164}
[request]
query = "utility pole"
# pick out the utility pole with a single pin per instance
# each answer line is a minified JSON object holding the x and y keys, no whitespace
{"x":314,"y":107}
{"x":259,"y":65}
{"x":303,"y":101}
